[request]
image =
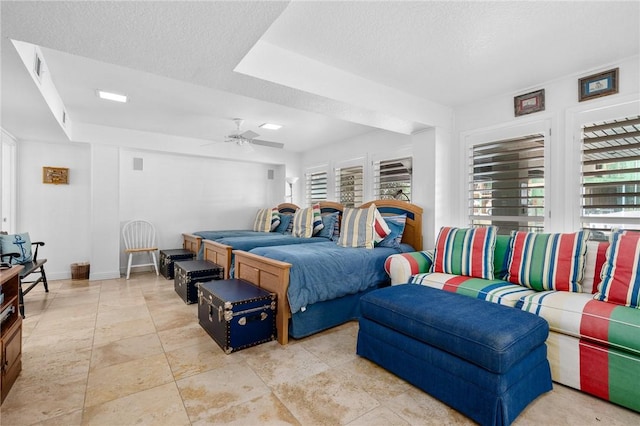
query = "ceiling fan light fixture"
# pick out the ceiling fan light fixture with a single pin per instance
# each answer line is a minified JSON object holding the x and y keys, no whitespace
{"x":270,"y":126}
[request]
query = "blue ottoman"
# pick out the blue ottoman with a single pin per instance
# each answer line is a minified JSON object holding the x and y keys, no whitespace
{"x":485,"y":360}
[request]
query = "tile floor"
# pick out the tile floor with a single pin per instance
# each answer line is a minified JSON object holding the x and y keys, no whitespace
{"x":121,"y":352}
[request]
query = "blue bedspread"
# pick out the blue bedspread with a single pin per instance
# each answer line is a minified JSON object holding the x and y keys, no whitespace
{"x":325,"y":271}
{"x":247,"y":243}
{"x":215,"y":235}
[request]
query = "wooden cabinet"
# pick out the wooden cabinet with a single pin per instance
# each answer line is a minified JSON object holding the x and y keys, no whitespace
{"x":11,"y":330}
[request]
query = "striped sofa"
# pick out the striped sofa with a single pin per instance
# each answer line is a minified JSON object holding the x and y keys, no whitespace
{"x":593,"y":345}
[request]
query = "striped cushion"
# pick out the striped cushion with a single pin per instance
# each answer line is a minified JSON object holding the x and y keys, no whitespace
{"x":548,"y":261}
{"x":594,"y":260}
{"x":380,"y":228}
{"x":303,"y":223}
{"x":264,"y":219}
{"x":400,"y":267}
{"x":356,"y":229}
{"x":275,"y":219}
{"x":317,"y":219}
{"x":465,"y":251}
{"x":495,"y":291}
{"x":620,"y":276}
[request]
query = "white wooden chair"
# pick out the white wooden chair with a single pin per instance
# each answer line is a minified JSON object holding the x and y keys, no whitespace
{"x":140,"y":236}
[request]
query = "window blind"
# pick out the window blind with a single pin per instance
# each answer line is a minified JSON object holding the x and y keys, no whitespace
{"x":392,"y":176}
{"x":350,"y":185}
{"x":610,"y":175}
{"x":315,"y":187}
{"x":506,"y":184}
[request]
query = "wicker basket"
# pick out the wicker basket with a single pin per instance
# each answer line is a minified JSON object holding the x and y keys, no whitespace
{"x":80,"y":271}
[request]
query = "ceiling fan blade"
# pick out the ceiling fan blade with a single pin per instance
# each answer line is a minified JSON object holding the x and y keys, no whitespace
{"x":267,"y":143}
{"x":249,"y":134}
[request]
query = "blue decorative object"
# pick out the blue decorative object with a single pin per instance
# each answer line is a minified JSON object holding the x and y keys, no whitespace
{"x":17,"y":243}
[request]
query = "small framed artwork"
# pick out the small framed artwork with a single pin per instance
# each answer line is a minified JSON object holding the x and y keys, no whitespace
{"x":529,"y":102}
{"x":596,"y":85}
{"x":55,"y":175}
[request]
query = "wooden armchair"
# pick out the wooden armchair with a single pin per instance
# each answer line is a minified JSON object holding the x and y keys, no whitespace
{"x":35,"y":267}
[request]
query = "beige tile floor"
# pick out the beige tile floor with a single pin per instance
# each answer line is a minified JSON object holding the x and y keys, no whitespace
{"x":121,"y":352}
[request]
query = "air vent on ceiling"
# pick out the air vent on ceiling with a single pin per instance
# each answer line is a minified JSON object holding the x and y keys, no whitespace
{"x":38,"y":66}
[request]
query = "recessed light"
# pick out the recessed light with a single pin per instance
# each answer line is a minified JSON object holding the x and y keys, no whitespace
{"x":270,"y":126}
{"x":112,"y":96}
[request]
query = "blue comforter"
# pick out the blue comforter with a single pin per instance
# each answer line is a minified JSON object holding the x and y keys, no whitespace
{"x":215,"y":235}
{"x":247,"y":243}
{"x":325,"y":271}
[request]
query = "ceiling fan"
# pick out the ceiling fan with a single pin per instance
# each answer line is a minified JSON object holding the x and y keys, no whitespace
{"x":248,"y":138}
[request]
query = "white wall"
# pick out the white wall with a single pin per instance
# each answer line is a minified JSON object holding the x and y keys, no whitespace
{"x":495,"y":117}
{"x":58,"y":215}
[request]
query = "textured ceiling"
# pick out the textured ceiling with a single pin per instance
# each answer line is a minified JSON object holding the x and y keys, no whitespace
{"x":177,"y":59}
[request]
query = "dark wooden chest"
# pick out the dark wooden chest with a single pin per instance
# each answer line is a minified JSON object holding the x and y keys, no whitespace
{"x":190,"y":272}
{"x":169,"y":257}
{"x":236,"y":314}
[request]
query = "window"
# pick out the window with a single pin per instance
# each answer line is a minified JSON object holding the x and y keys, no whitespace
{"x":392,"y":179}
{"x":610,"y":178}
{"x":350,"y":185}
{"x":507,"y":184}
{"x":316,"y":187}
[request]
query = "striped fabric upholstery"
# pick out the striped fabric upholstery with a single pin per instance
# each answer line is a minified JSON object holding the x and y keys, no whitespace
{"x":548,"y":261}
{"x":402,"y":266}
{"x":356,"y":229}
{"x":465,"y":251}
{"x":380,"y":228}
{"x":594,"y":260}
{"x":303,"y":223}
{"x":264,"y":217}
{"x":620,"y":275}
{"x":275,"y":219}
{"x":317,"y":219}
{"x":495,"y":291}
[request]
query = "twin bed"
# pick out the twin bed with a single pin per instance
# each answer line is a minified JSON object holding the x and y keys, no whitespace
{"x":318,"y":284}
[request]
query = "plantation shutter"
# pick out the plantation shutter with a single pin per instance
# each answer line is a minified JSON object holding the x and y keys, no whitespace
{"x":506,"y":184}
{"x":391,"y":177}
{"x":316,"y":187}
{"x":350,"y":185}
{"x":610,"y":177}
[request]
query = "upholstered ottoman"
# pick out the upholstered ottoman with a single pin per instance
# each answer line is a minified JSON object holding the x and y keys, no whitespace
{"x":485,"y":360}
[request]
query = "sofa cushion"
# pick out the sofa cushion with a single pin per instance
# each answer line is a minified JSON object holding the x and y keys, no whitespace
{"x":594,"y":260}
{"x":620,"y":277}
{"x":548,"y":261}
{"x":495,"y":291}
{"x":578,"y":315}
{"x":465,"y":251}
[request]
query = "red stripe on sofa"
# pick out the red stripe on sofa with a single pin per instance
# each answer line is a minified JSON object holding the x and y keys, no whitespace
{"x":601,"y":257}
{"x":452,"y":284}
{"x":594,"y":370}
{"x":594,"y":323}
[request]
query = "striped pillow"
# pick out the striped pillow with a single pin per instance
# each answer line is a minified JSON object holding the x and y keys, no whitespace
{"x":380,"y":227}
{"x":620,"y":278}
{"x":547,"y":261}
{"x":317,"y":219}
{"x":466,"y":252}
{"x":265,"y":219}
{"x":303,"y":223}
{"x":357,"y":227}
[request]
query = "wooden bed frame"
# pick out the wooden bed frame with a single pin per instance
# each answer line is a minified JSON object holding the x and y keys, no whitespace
{"x":193,"y":242}
{"x":222,"y":253}
{"x":273,"y":275}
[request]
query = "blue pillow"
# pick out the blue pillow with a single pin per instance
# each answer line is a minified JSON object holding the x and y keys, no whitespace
{"x":396,"y":224}
{"x":17,"y":243}
{"x":285,"y":220}
{"x":329,"y":221}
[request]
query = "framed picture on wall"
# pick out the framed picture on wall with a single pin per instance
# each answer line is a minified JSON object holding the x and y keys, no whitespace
{"x":529,"y":102}
{"x":55,"y":175}
{"x":596,"y":85}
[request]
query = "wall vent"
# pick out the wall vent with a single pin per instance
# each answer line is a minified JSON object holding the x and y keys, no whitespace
{"x":137,"y":163}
